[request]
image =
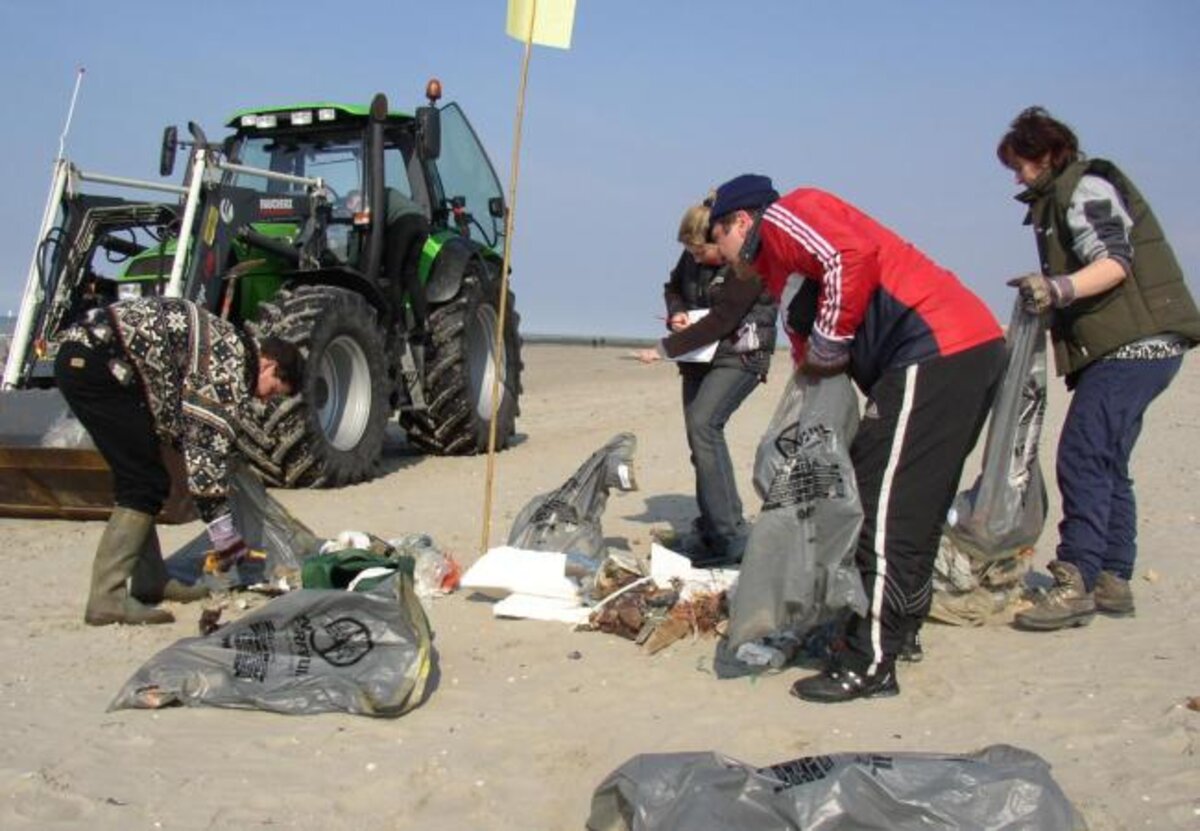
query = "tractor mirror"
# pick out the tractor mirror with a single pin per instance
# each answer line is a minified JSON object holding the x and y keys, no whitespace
{"x":170,"y":145}
{"x":429,"y":131}
{"x":496,"y":207}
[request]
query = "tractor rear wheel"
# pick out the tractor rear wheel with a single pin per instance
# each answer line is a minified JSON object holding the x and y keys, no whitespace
{"x":331,"y":434}
{"x":461,"y":370}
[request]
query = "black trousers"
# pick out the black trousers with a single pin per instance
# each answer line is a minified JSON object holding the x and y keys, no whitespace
{"x":402,"y":260}
{"x":118,"y":419}
{"x":919,"y":425}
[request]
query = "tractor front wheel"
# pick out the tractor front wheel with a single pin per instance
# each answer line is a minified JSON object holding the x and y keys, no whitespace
{"x":331,"y":434}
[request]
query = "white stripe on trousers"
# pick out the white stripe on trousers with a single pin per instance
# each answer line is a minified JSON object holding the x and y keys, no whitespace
{"x":881,"y":515}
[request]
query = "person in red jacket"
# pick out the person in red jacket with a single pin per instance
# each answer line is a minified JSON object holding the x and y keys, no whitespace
{"x":927,"y":354}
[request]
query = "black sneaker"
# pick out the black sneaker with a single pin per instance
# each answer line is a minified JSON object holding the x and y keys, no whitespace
{"x":910,"y":648}
{"x":838,"y":684}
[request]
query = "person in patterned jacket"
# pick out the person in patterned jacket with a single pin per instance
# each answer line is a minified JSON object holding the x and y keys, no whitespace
{"x":926,"y":352}
{"x":143,"y":371}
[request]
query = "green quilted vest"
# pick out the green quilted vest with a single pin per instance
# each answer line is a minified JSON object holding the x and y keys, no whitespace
{"x":1153,"y":300}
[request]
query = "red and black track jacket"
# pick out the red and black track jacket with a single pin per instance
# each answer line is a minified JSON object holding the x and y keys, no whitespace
{"x":889,"y":303}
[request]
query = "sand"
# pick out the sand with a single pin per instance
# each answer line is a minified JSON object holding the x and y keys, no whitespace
{"x":520,"y":730}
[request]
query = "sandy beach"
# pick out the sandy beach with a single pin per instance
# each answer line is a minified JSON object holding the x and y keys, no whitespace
{"x":519,"y":730}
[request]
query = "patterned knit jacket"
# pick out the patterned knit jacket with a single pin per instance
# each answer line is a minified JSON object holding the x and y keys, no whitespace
{"x":198,"y":375}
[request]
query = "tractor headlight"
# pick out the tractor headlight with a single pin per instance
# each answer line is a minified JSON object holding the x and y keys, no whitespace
{"x":129,"y":291}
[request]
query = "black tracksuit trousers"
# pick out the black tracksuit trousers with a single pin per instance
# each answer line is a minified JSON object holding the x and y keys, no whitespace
{"x":919,"y":425}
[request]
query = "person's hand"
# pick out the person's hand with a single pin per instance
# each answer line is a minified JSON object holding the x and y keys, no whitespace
{"x":677,"y":322}
{"x":647,"y":356}
{"x":228,"y":547}
{"x":1039,"y":294}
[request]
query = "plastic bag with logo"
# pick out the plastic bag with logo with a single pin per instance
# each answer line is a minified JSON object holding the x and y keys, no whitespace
{"x":987,"y":545}
{"x":798,"y":569}
{"x":999,"y":788}
{"x":1005,"y":510}
{"x":367,"y":652}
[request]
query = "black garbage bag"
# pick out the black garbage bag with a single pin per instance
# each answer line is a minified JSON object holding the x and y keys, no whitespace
{"x":1005,"y":509}
{"x":798,"y":569}
{"x":265,"y":525}
{"x":999,"y":788}
{"x":308,"y":651}
{"x":567,"y":519}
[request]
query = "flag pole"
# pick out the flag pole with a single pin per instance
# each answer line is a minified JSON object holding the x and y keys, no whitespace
{"x":498,"y":349}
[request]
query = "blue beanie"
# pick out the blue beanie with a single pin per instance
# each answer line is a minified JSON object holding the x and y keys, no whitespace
{"x":742,"y":193}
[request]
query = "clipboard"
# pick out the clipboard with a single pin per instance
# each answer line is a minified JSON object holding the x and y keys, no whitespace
{"x":701,"y":354}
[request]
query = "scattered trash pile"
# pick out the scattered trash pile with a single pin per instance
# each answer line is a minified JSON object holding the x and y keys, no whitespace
{"x":998,"y":787}
{"x":556,"y":565}
{"x":344,"y":630}
{"x":672,"y":602}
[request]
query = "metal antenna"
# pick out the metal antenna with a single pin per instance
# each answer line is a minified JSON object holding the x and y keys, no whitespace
{"x":62,"y":139}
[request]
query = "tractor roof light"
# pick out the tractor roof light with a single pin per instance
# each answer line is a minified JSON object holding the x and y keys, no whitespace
{"x":433,"y":90}
{"x":249,"y":120}
{"x":301,"y":118}
{"x":265,"y":122}
{"x":326,"y":114}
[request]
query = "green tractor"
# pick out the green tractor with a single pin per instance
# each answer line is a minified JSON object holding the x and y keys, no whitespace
{"x":286,"y":227}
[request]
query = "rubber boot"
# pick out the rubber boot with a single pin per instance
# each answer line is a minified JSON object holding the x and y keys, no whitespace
{"x":116,"y":556}
{"x":149,"y":582}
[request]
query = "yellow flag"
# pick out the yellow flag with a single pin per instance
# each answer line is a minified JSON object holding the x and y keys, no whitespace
{"x":552,"y":26}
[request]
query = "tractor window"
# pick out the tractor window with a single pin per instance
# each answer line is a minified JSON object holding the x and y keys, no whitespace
{"x":397,"y":152}
{"x":339,"y":162}
{"x":464,"y":171}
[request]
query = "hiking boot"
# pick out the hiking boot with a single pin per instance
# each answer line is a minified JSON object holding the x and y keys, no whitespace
{"x":1067,"y":603}
{"x":910,"y":647}
{"x":149,"y":582}
{"x":117,"y":555}
{"x":1113,"y":595}
{"x":838,"y":684}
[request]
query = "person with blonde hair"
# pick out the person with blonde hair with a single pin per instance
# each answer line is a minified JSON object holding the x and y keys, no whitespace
{"x":706,"y":305}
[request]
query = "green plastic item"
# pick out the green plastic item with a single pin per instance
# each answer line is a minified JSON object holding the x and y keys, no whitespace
{"x":340,"y":569}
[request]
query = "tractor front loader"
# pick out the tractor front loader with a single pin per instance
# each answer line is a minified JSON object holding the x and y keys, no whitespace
{"x":282,"y":227}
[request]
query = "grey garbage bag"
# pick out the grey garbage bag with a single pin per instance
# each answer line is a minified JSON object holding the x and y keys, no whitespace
{"x":567,"y":519}
{"x":265,"y":525}
{"x":999,"y":788}
{"x":1005,"y":509}
{"x":308,"y":651}
{"x":798,"y":568}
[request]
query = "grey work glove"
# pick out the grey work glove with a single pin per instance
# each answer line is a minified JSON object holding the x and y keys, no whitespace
{"x":824,"y":358}
{"x":1038,"y":293}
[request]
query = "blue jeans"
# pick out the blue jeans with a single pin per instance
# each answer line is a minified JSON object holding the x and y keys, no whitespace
{"x":709,"y":399}
{"x":1098,"y":531}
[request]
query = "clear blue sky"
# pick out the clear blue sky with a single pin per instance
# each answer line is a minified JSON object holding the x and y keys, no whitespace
{"x":896,"y":106}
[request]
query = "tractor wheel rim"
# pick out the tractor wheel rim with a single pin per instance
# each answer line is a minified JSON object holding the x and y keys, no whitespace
{"x":346,"y":376}
{"x":481,"y":359}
